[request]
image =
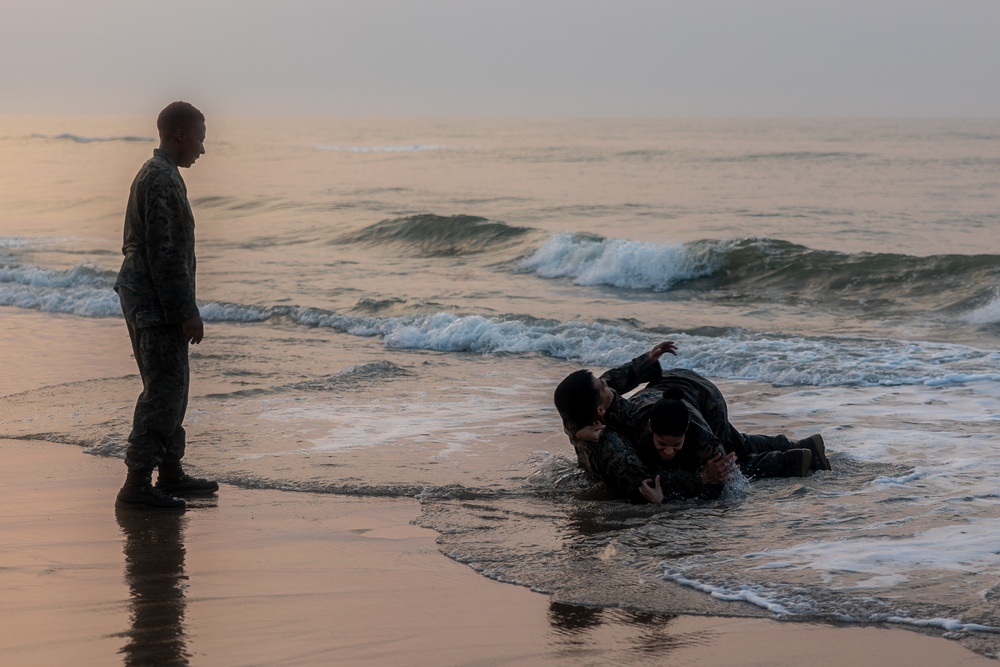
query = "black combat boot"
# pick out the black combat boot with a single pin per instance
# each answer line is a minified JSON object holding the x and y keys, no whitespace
{"x":138,"y":493}
{"x":173,"y":480}
{"x":814,"y":443}
{"x":798,"y":462}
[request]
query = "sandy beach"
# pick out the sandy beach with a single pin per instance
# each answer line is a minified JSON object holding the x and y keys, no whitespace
{"x":264,"y":577}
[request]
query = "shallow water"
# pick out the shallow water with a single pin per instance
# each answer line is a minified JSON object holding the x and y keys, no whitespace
{"x":390,"y":304}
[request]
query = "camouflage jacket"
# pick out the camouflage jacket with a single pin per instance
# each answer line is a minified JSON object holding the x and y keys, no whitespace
{"x":624,"y":455}
{"x":156,"y":282}
{"x":708,"y":433}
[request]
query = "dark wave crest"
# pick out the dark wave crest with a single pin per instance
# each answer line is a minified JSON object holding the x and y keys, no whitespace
{"x":788,"y":271}
{"x":439,"y":236}
{"x":772,"y":270}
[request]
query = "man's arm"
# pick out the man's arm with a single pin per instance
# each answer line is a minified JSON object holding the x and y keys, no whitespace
{"x":644,"y":368}
{"x":709,"y":444}
{"x":613,"y":460}
{"x":678,"y":485}
{"x":169,"y":246}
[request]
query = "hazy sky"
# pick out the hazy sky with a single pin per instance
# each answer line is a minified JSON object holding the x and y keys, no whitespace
{"x":774,"y":58}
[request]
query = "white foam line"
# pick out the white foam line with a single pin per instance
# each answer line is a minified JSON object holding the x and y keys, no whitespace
{"x":743,"y":595}
{"x":746,"y":595}
{"x":948,"y":624}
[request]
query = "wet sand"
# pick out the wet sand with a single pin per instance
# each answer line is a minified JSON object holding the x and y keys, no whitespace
{"x":264,"y":577}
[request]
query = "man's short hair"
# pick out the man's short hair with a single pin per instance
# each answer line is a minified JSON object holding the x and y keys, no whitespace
{"x":576,"y":398}
{"x":178,"y":116}
{"x":669,"y":415}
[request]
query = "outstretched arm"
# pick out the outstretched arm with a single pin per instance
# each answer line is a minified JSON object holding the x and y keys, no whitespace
{"x":644,"y":368}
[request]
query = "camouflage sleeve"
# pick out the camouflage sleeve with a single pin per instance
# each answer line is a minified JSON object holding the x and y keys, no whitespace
{"x":709,"y":443}
{"x":614,"y":461}
{"x":627,"y":377}
{"x":168,"y":243}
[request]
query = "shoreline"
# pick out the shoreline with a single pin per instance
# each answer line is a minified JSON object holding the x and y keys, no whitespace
{"x":261,"y":577}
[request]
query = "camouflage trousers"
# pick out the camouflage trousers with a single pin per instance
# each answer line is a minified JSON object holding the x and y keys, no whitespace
{"x":157,"y":436}
{"x":758,"y":455}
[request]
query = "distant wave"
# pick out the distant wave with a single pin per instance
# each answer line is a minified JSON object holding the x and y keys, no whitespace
{"x":776,"y":359}
{"x":14,"y":242}
{"x":802,"y":155}
{"x":383,"y":149}
{"x":439,"y":236}
{"x":771,"y":269}
{"x":90,"y":140}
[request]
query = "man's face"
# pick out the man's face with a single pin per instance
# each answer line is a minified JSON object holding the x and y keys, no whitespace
{"x":667,"y":446}
{"x":606,"y":396}
{"x":191,"y":144}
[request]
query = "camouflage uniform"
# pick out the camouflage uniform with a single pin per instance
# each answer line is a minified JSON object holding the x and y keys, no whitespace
{"x":156,"y":287}
{"x":613,"y":459}
{"x":709,"y":433}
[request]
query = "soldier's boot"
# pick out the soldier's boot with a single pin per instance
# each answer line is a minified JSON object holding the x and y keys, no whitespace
{"x":173,"y":480}
{"x":138,"y":493}
{"x":814,"y":443}
{"x":798,"y":462}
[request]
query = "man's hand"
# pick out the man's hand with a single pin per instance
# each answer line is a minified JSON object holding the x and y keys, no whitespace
{"x":193,"y":329}
{"x":718,"y":469}
{"x":651,"y":491}
{"x":591,"y":433}
{"x":666,"y":346}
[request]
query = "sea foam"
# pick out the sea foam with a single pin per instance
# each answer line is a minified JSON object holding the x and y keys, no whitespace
{"x":84,"y":290}
{"x":617,"y":262}
{"x":988,"y":314}
{"x":781,"y":360}
{"x":968,"y":546}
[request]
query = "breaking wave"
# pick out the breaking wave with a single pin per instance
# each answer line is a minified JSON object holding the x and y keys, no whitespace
{"x":777,"y":359}
{"x":593,"y":260}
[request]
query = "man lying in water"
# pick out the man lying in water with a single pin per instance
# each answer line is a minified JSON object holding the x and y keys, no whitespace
{"x":615,"y":443}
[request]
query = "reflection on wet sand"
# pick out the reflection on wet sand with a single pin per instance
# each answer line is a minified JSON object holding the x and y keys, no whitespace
{"x":581,"y":630}
{"x":154,"y":570}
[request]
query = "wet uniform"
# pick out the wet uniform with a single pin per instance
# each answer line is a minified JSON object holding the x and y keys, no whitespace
{"x":709,"y":433}
{"x":156,"y":287}
{"x":613,"y":459}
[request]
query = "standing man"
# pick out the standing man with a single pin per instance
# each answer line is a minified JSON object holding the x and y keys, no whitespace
{"x":156,"y":286}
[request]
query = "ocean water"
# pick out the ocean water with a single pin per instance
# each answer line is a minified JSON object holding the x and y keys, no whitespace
{"x":391,"y":302}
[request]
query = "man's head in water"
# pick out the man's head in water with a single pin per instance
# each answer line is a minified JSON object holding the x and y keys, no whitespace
{"x":668,"y":422}
{"x":582,"y":399}
{"x":182,"y":133}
